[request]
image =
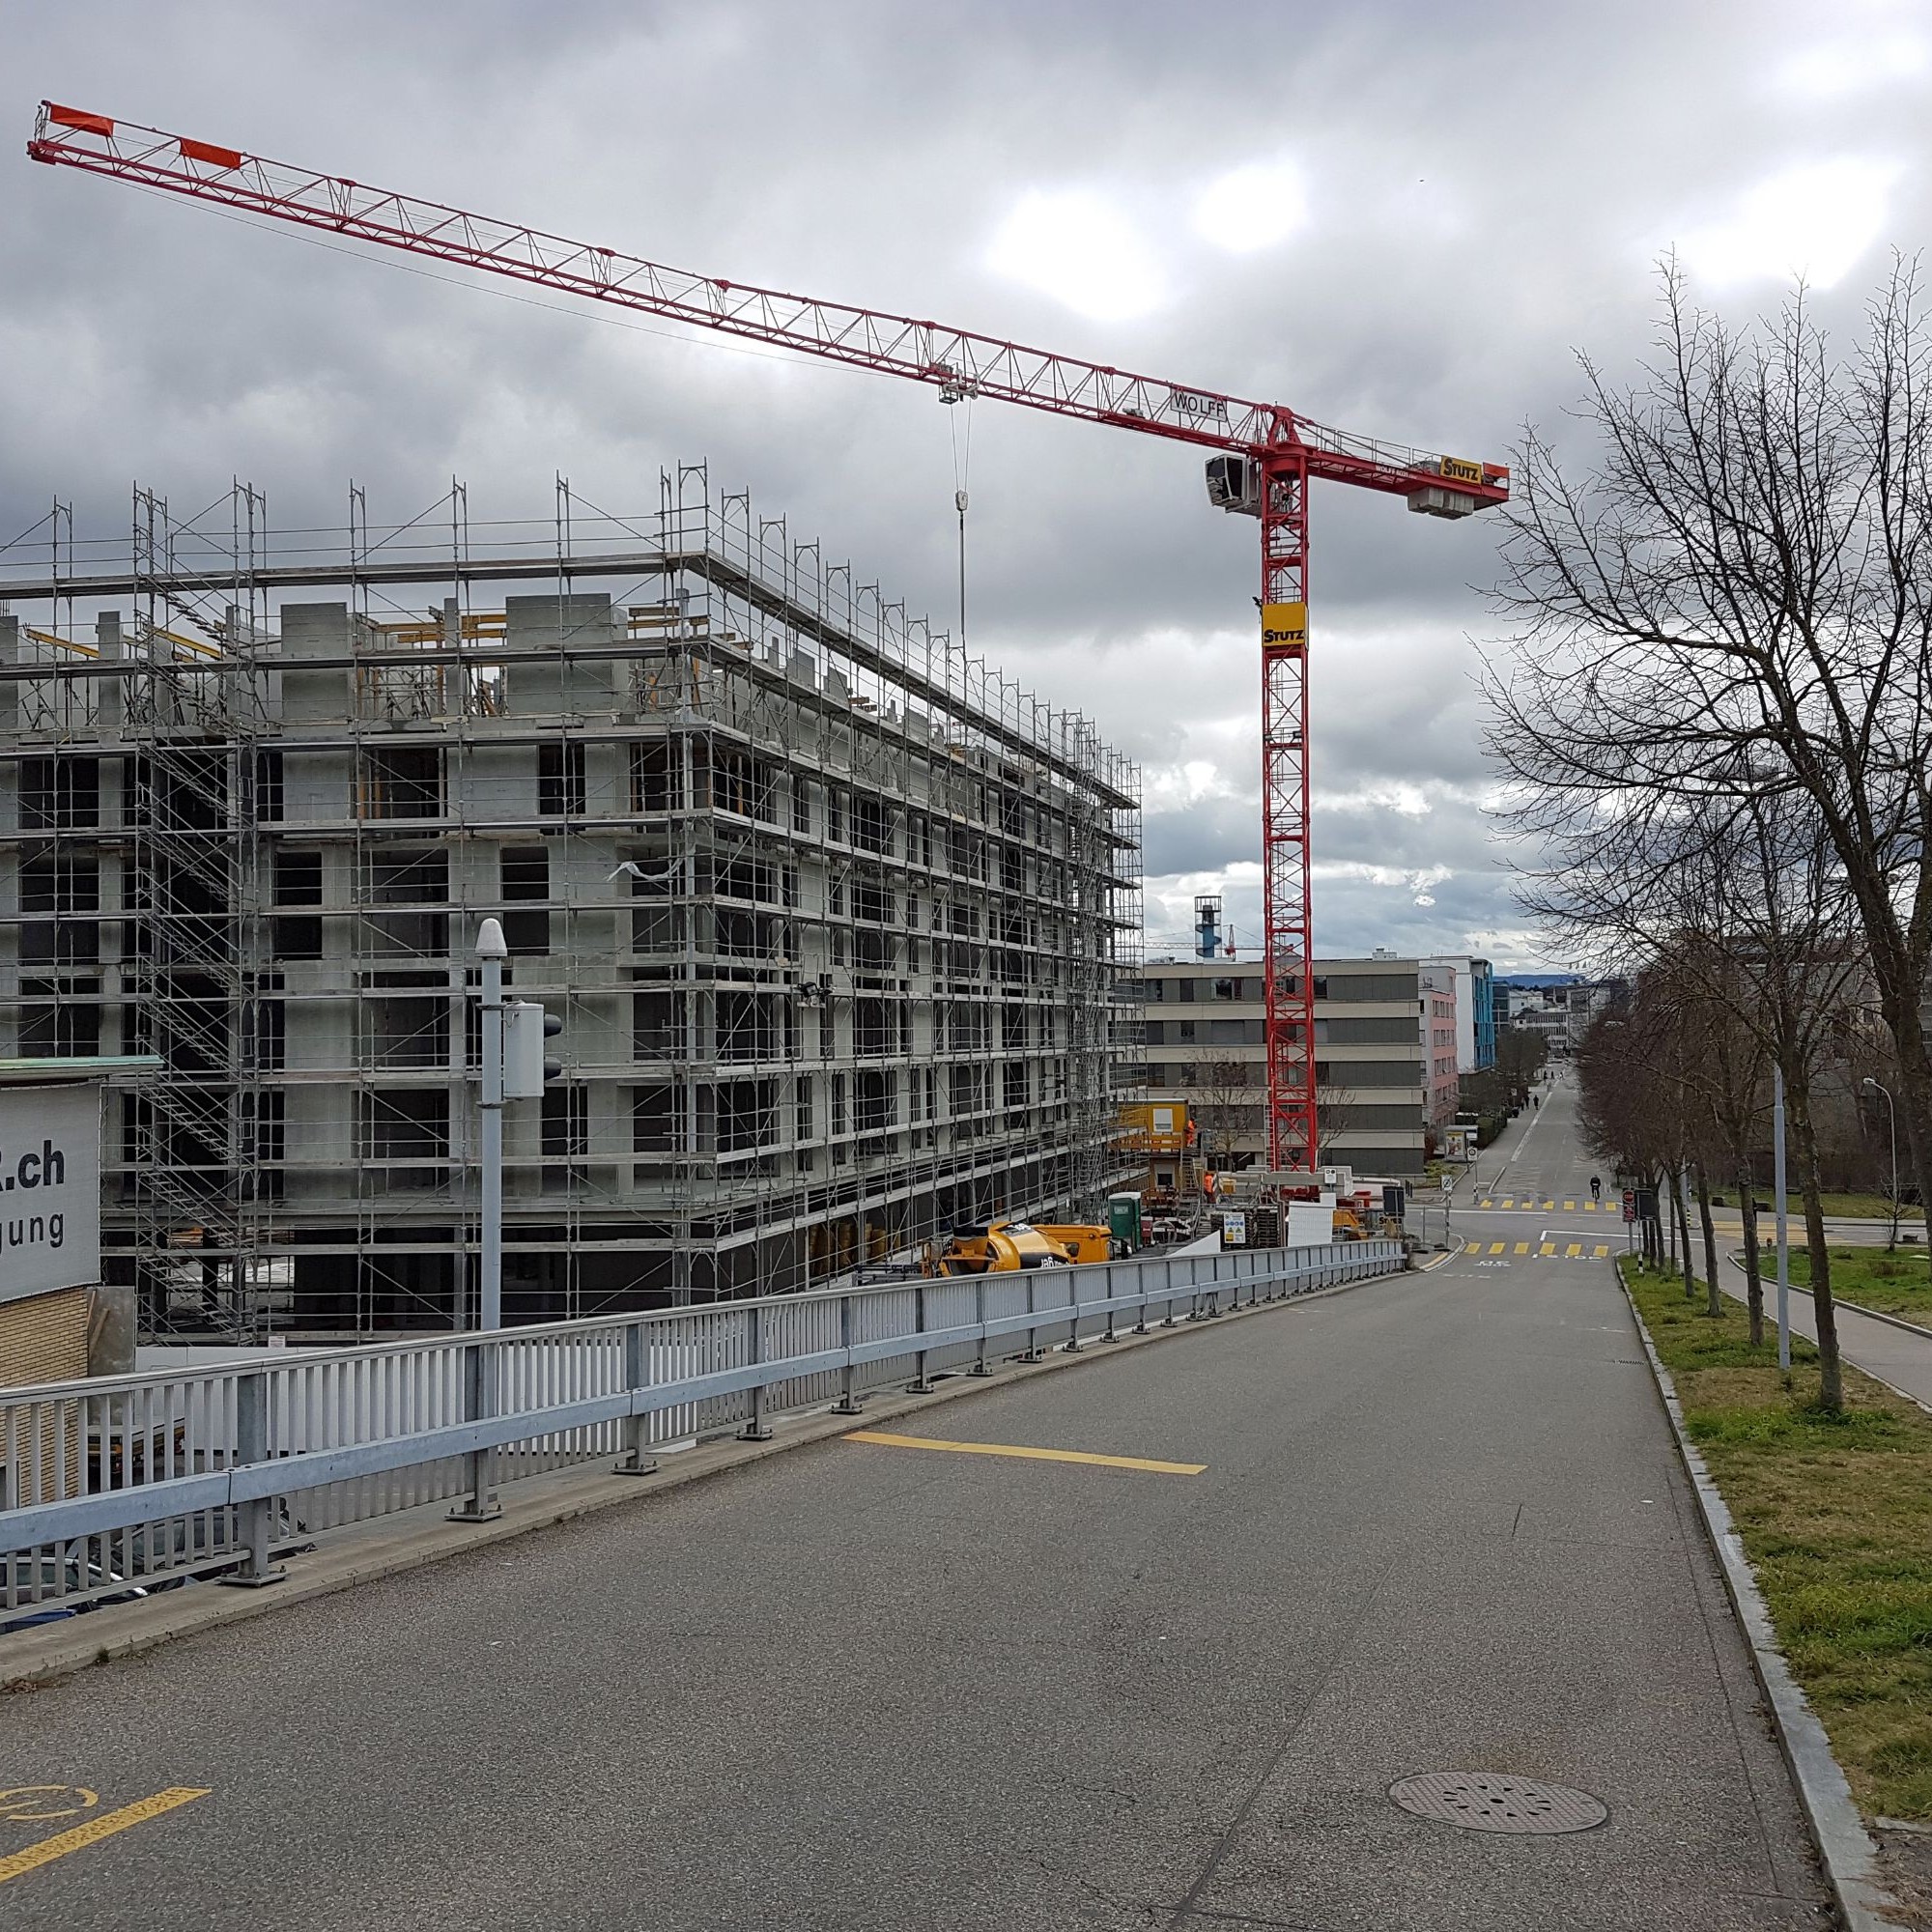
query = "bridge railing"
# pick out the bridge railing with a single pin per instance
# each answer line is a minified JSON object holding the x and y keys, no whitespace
{"x":117,"y":1484}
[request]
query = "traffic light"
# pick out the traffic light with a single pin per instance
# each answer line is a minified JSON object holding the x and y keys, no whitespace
{"x":526,"y":1028}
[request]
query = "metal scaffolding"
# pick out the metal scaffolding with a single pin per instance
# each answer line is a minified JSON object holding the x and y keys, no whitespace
{"x":840,"y":922}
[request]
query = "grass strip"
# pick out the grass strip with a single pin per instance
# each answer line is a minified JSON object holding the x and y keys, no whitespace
{"x":1865,"y":1207}
{"x":1897,"y":1284}
{"x":1835,"y":1516}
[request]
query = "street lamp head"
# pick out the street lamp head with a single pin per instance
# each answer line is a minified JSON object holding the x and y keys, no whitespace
{"x":490,"y":941}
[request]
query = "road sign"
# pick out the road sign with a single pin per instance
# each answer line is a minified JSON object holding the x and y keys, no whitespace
{"x":1629,"y":1204}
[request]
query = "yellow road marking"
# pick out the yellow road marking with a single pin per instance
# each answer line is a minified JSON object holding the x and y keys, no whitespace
{"x":1509,"y":1200}
{"x":1567,"y":1206}
{"x":1589,"y":1207}
{"x":1029,"y":1454}
{"x":1602,"y":1248}
{"x":1548,"y":1248}
{"x":1496,"y":1247}
{"x":1486,"y":1202}
{"x":1475,"y":1248}
{"x":1574,"y":1249}
{"x":1522,"y":1247}
{"x":1549,"y":1204}
{"x":95,"y":1829}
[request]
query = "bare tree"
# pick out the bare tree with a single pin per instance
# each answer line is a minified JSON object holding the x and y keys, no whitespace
{"x":1737,"y":605}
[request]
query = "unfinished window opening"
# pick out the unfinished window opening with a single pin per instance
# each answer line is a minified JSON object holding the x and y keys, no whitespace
{"x":526,"y":876}
{"x":58,"y":794}
{"x":406,"y":1132}
{"x":57,"y":889}
{"x":560,"y":790}
{"x":566,"y":1138}
{"x":400,"y":781}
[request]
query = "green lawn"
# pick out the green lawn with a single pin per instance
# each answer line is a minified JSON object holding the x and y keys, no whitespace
{"x":1872,"y":1207}
{"x":1836,"y":1515}
{"x":1900,"y":1284}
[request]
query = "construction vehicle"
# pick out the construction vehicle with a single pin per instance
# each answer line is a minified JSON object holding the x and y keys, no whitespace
{"x":1262,"y":456}
{"x":1004,"y":1247}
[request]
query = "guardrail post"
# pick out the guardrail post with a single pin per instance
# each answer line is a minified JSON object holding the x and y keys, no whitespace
{"x":980,"y":1367}
{"x":757,"y":1429}
{"x":255,"y":1518}
{"x":1032,"y":1351}
{"x":1167,"y":1270}
{"x":1072,"y":1345}
{"x":918,"y":1385}
{"x":479,"y":1404}
{"x":848,"y":1403}
{"x":1107,"y":1334}
{"x":634,"y":1458}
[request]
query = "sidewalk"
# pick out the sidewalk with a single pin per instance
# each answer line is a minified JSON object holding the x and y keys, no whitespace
{"x":1881,"y":1348}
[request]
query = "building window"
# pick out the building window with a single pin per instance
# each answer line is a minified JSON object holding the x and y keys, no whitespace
{"x":561,"y":779}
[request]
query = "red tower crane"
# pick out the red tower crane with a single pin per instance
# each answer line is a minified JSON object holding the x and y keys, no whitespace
{"x":1265,"y":458}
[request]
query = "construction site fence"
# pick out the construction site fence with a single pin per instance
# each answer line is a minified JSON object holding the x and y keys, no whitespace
{"x":118,"y":1484}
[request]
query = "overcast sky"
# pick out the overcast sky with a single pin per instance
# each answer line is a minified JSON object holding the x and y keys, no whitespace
{"x":1400,"y":220}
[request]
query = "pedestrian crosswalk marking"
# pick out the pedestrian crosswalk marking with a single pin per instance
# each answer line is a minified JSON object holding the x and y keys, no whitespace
{"x":1496,"y":1247}
{"x":1509,"y":1200}
{"x":1548,"y":1248}
{"x":1602,"y":1248}
{"x":1473,"y":1247}
{"x":1547,"y":1204}
{"x":1522,"y":1247}
{"x":1575,"y":1248}
{"x":1569,"y":1207}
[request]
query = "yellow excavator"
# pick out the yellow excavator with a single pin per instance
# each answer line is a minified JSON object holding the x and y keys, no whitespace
{"x":1003,"y":1247}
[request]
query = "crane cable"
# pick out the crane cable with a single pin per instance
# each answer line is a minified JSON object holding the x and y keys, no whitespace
{"x":962,"y":466}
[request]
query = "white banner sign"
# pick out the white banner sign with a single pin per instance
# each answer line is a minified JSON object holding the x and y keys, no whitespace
{"x":49,"y":1188}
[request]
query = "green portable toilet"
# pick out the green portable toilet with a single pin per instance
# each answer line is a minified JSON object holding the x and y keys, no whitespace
{"x":1124,"y":1222}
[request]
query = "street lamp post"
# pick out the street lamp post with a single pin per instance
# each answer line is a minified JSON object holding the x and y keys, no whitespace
{"x":1891,"y":1115}
{"x":491,"y":952}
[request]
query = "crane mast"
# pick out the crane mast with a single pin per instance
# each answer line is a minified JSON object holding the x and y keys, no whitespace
{"x":1266,"y":456}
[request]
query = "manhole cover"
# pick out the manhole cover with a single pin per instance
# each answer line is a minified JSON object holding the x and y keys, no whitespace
{"x":1482,"y":1801}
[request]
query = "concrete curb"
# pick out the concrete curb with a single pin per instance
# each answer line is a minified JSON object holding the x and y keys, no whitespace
{"x":394,"y":1546}
{"x":1846,"y":1847}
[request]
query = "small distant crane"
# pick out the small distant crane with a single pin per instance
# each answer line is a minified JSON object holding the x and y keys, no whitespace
{"x":1264,"y":456}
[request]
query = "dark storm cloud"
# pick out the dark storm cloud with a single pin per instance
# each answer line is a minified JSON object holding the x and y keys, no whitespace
{"x":1482,"y":192}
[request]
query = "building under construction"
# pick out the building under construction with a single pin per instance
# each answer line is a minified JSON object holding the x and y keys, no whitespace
{"x":841,"y":926}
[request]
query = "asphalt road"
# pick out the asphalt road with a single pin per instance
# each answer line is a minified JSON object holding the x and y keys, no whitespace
{"x":1439,"y":1526}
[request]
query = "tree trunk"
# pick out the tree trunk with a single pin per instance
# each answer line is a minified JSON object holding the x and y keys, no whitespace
{"x":1830,"y":1368}
{"x":1753,"y":1272}
{"x":1681,"y":1228}
{"x":1899,"y":994}
{"x":1716,"y":1305}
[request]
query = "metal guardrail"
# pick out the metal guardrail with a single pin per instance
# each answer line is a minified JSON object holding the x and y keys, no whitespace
{"x":117,"y":1484}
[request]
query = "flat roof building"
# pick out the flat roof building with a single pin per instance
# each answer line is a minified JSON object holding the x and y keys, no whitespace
{"x":1204,"y":1027}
